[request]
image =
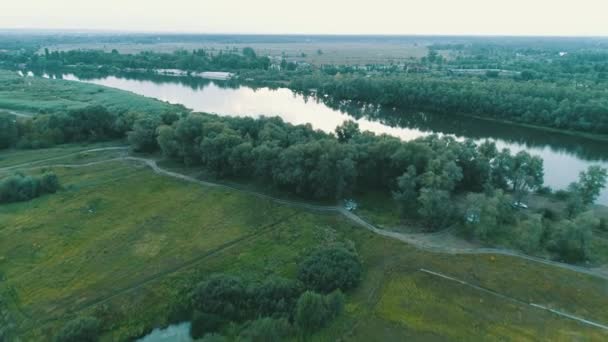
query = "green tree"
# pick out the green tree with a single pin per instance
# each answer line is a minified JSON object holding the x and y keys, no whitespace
{"x":266,"y":330}
{"x":525,"y":174}
{"x":203,"y":323}
{"x":591,"y":182}
{"x":311,"y":312}
{"x":347,"y":130}
{"x":9,"y":133}
{"x":221,"y":295}
{"x":531,"y":233}
{"x":435,"y":207}
{"x":143,"y":137}
{"x":407,"y":193}
{"x":571,"y":239}
{"x":329,"y":269}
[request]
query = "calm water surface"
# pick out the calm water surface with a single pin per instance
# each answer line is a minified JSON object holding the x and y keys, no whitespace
{"x":564,"y":156}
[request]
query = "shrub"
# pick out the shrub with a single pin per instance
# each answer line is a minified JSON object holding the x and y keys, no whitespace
{"x":329,"y":269}
{"x":275,"y":297}
{"x":311,"y":312}
{"x":314,"y":311}
{"x":222,"y":295}
{"x":571,"y":238}
{"x":18,"y":187}
{"x":266,"y":330}
{"x":83,"y":329}
{"x":204,"y":323}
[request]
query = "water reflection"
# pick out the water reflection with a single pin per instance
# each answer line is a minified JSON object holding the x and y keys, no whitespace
{"x":564,"y":155}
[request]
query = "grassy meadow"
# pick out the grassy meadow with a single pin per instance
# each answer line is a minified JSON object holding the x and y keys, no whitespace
{"x":121,"y":243}
{"x":41,"y":95}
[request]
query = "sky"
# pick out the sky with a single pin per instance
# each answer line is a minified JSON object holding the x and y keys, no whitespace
{"x":454,"y":17}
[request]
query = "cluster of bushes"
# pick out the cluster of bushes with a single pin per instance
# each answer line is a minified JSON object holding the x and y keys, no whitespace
{"x":19,"y":187}
{"x":276,"y":308}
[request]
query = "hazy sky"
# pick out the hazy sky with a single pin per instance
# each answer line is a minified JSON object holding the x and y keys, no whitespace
{"x":517,"y":17}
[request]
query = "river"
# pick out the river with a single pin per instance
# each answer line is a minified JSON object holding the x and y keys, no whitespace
{"x":564,"y":155}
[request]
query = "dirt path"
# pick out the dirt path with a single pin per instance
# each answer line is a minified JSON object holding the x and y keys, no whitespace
{"x":419,"y":240}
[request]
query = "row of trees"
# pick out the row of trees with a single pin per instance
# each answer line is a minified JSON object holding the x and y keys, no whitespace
{"x":19,"y":187}
{"x":534,"y":102}
{"x":196,"y":60}
{"x":314,"y":164}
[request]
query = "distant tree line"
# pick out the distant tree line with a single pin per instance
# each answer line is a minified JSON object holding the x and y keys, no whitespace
{"x":196,"y":60}
{"x":530,"y":102}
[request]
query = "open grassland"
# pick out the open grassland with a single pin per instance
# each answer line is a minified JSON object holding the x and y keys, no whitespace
{"x":37,"y":94}
{"x":120,"y":242}
{"x":354,"y":53}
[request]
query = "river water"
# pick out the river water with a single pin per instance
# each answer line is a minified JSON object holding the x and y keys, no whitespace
{"x":564,"y":155}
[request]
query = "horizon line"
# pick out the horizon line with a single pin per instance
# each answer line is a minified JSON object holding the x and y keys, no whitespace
{"x":191,"y":32}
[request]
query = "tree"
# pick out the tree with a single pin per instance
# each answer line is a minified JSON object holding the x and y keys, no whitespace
{"x":525,"y":174}
{"x":532,"y":230}
{"x":329,"y":269}
{"x":347,"y":130}
{"x":435,"y":207}
{"x":83,"y":329}
{"x":203,"y":323}
{"x":249,"y":52}
{"x":266,"y":330}
{"x":591,"y":183}
{"x":486,"y":215}
{"x":49,"y":183}
{"x":311,"y":312}
{"x":571,"y":239}
{"x":221,"y":295}
{"x":406,"y":193}
{"x":9,"y":133}
{"x":143,"y":137}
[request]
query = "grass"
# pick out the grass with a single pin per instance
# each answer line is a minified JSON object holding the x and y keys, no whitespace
{"x":55,"y":154}
{"x":344,"y":53}
{"x":41,"y":95}
{"x":120,"y":242}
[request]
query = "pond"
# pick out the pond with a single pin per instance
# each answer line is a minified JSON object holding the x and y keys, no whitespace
{"x":564,"y":155}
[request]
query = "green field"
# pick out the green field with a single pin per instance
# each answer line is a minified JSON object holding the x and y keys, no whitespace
{"x":354,"y":53}
{"x":121,"y":243}
{"x":37,"y":94}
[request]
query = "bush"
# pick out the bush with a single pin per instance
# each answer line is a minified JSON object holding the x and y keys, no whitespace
{"x":275,"y":297}
{"x":18,"y":187}
{"x":315,"y":311}
{"x":603,"y":226}
{"x":266,"y":330}
{"x":222,"y":295}
{"x":329,"y":269}
{"x":204,"y":323}
{"x":571,"y":238}
{"x":84,"y":329}
{"x":311,"y":312}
